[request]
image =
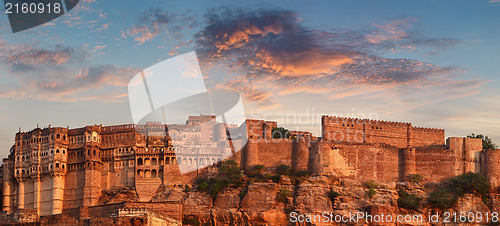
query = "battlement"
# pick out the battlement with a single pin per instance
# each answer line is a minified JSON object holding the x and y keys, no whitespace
{"x":119,"y":128}
{"x":429,"y":130}
{"x":400,"y":134}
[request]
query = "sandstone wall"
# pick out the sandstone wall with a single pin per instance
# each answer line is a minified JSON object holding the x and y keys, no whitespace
{"x":359,"y":161}
{"x":267,"y":152}
{"x":375,"y":131}
{"x":437,"y":163}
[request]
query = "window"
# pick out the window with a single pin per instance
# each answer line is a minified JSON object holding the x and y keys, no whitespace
{"x":64,"y":151}
{"x":57,"y":151}
{"x":57,"y":165}
{"x":58,"y":136}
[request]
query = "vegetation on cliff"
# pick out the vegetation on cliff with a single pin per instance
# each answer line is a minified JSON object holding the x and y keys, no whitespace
{"x":229,"y":175}
{"x":446,"y":196}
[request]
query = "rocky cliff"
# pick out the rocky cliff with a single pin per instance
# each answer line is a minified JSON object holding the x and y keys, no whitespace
{"x":325,"y":201}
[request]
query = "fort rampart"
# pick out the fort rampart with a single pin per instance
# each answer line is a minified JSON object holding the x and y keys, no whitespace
{"x":57,"y":170}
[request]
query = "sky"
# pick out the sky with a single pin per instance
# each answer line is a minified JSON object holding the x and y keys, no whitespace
{"x":432,"y":63}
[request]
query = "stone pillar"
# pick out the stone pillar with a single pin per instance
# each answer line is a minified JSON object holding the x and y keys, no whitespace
{"x":7,"y":195}
{"x":92,"y":189}
{"x":57,"y":194}
{"x":408,"y":163}
{"x":36,"y":194}
{"x":251,"y":155}
{"x":491,"y":162}
{"x":321,"y":159}
{"x":300,"y":155}
{"x":20,"y":194}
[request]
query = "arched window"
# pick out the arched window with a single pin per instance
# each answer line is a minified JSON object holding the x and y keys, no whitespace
{"x":147,"y":162}
{"x":94,"y":152}
{"x":64,"y":151}
{"x":153,"y":173}
{"x":153,"y":162}
{"x":139,"y":173}
{"x":139,"y":161}
{"x":57,"y":151}
{"x":57,"y":165}
{"x":147,"y":173}
{"x":64,"y":137}
{"x":167,"y":160}
{"x":63,"y":166}
{"x":160,"y":162}
{"x":58,"y":136}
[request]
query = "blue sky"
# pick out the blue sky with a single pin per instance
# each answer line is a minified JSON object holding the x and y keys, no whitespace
{"x":432,"y":63}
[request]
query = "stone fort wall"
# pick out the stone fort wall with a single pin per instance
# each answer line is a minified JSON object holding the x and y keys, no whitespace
{"x":398,"y":134}
{"x":60,"y":170}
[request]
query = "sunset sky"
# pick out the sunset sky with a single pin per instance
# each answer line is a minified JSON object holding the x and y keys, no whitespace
{"x":431,"y":63}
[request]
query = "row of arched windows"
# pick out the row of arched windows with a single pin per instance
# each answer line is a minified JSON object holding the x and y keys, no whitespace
{"x":41,"y":139}
{"x":149,"y":174}
{"x":43,"y":154}
{"x":178,"y":160}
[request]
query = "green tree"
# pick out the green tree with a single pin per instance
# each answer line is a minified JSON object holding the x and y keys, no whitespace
{"x":280,"y":132}
{"x":487,"y":142}
{"x":455,"y":187}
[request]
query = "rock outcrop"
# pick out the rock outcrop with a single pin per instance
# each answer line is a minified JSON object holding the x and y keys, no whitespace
{"x":260,"y":203}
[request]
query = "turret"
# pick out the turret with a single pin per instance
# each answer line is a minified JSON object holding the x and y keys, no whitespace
{"x":408,"y":163}
{"x":491,"y":167}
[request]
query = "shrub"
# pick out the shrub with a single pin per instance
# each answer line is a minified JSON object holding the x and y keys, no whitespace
{"x":371,"y":184}
{"x":255,"y":170}
{"x":283,"y":170}
{"x":408,"y":201}
{"x":469,"y":183}
{"x":280,"y":132}
{"x":283,"y":194}
{"x":332,"y":195}
{"x":371,"y":192}
{"x":229,"y":174}
{"x":416,"y":178}
{"x":455,"y":187}
{"x":442,"y":199}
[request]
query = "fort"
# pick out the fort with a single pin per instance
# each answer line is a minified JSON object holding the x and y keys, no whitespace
{"x":56,"y":170}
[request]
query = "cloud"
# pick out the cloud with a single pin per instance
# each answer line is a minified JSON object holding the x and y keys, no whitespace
{"x":275,"y":54}
{"x":61,"y":73}
{"x":155,"y":21}
{"x":35,"y":59}
{"x":393,"y":31}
